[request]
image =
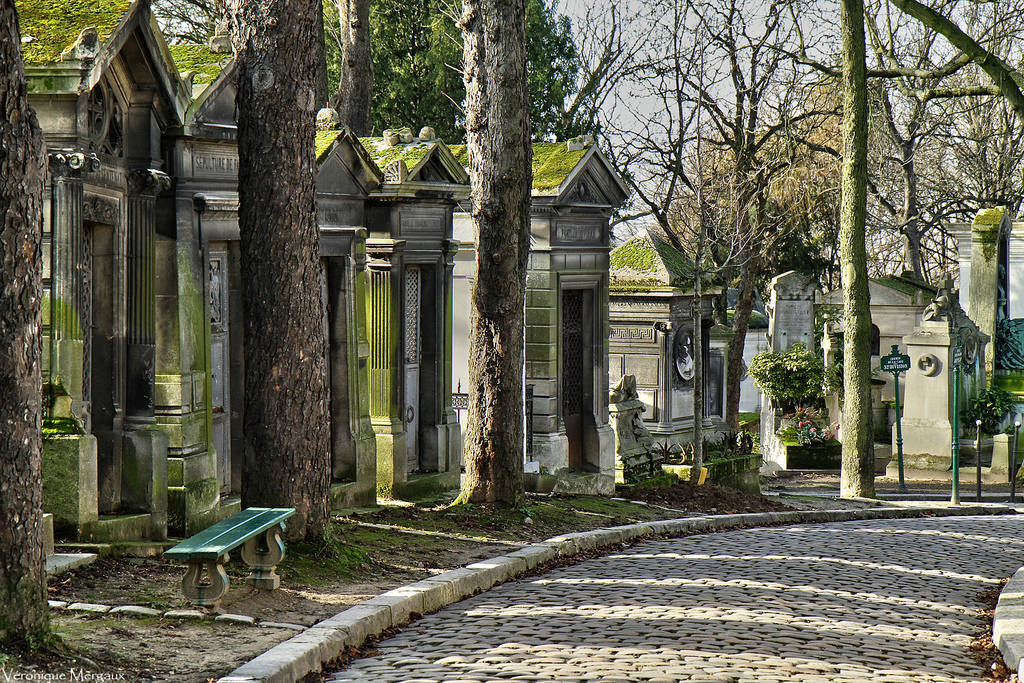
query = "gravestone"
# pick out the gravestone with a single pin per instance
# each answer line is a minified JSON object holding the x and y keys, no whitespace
{"x":791,"y":310}
{"x":983,"y":303}
{"x":928,"y":407}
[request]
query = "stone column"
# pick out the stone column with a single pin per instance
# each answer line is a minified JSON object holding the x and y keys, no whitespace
{"x":664,"y":332}
{"x":69,"y":300}
{"x":144,"y":474}
{"x":452,"y":461}
{"x":143,"y":187}
{"x":988,"y":228}
{"x":384,"y":269}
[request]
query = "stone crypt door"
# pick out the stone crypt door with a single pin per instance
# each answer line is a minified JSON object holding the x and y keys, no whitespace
{"x":220,"y":386}
{"x":577,"y":371}
{"x":412,"y":355}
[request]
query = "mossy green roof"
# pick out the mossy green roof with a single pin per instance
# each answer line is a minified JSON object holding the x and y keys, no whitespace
{"x":382,"y":155}
{"x":649,"y":259}
{"x":199,"y":59}
{"x":324,"y":140}
{"x":552,"y":163}
{"x":54,"y":25}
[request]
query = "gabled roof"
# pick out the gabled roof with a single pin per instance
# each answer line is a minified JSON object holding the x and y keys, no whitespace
{"x":556,"y":165}
{"x":416,"y":156}
{"x":205,"y":64}
{"x":327,"y":141}
{"x":49,"y":27}
{"x":649,"y":260}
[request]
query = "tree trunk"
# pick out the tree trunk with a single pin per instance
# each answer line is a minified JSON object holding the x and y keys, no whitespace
{"x":857,"y":477}
{"x":913,"y":260}
{"x":286,"y":425}
{"x":355,"y":87}
{"x":322,"y":96}
{"x":740,"y":325}
{"x":698,"y":380}
{"x":498,"y":137}
{"x":23,"y":611}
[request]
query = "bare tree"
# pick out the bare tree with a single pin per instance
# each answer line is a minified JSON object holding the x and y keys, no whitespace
{"x":23,"y":610}
{"x":498,"y":137}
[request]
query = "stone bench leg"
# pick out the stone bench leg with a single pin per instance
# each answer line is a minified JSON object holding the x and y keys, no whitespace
{"x":263,"y":562}
{"x":205,"y":595}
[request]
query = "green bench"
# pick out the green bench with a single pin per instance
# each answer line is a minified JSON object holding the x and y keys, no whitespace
{"x":256,"y":530}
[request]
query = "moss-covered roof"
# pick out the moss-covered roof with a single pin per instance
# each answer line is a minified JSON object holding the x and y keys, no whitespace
{"x":54,"y":25}
{"x":199,"y":59}
{"x":649,"y":259}
{"x":552,"y":163}
{"x":324,"y":140}
{"x":411,"y":153}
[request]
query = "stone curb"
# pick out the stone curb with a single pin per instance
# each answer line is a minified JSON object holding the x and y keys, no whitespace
{"x":1008,"y":623}
{"x":194,"y":614}
{"x":320,"y":644}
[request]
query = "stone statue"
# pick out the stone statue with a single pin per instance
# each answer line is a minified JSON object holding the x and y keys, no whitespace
{"x":634,"y":445}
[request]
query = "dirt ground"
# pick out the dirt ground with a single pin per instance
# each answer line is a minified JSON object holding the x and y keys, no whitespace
{"x":371,"y":551}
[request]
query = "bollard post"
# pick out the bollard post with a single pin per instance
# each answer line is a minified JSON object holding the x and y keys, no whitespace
{"x":955,"y":446}
{"x":977,"y":454}
{"x":1013,"y":461}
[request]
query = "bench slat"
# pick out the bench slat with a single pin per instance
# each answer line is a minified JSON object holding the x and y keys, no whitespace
{"x":229,"y":533}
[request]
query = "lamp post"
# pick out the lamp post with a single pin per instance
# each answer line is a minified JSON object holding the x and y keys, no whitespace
{"x":896,"y":363}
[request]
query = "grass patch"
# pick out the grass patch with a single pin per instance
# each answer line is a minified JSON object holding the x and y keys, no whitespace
{"x":324,"y":561}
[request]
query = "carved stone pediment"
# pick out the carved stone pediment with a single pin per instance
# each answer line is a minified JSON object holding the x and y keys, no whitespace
{"x":99,"y":209}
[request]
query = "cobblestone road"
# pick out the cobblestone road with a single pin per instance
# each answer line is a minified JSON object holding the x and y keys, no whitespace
{"x":858,"y":601}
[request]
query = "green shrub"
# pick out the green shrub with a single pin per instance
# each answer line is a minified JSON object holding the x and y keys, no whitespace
{"x":990,"y":406}
{"x":791,"y":378}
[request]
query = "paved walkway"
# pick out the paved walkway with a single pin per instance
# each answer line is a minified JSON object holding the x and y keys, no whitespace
{"x":858,"y":601}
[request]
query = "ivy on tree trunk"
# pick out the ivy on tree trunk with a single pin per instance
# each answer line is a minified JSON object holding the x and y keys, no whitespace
{"x":287,"y":429}
{"x":23,"y":609}
{"x":498,"y":137}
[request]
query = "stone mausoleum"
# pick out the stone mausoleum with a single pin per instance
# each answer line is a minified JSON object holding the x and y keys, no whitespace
{"x":651,"y":337}
{"x":575,"y":191}
{"x":143,"y":318}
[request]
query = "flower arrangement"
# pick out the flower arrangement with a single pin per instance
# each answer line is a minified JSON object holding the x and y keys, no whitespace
{"x":808,"y":433}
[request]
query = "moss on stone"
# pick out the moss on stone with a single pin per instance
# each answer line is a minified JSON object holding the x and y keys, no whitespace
{"x":199,"y":59}
{"x":324,"y":141}
{"x":411,"y":153}
{"x":552,"y":163}
{"x":54,"y":25}
{"x":642,"y":259}
{"x":988,"y":218}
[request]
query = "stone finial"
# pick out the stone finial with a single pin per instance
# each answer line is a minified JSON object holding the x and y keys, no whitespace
{"x":579,"y":142}
{"x":220,"y":44}
{"x":327,"y":119}
{"x":427,"y":134}
{"x":405,"y":135}
{"x":391,"y":137}
{"x":85,"y":46}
